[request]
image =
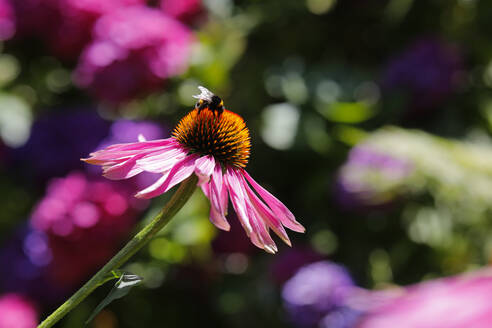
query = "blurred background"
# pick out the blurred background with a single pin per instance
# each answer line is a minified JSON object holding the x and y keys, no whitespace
{"x":377,"y":115}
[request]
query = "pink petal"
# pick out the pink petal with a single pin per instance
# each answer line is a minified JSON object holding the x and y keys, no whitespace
{"x":119,"y":152}
{"x":266,"y":214}
{"x":152,"y":189}
{"x":204,"y":168}
{"x":218,"y":191}
{"x":162,"y":160}
{"x":260,"y":236}
{"x":123,"y":170}
{"x":237,"y":199}
{"x":254,"y":227}
{"x":279,"y":209}
{"x":206,"y":189}
{"x":182,"y":170}
{"x":218,"y":219}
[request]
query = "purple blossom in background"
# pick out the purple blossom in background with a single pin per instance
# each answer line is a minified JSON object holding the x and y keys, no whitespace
{"x":124,"y":131}
{"x":58,"y":141}
{"x":134,"y":50}
{"x":17,"y":311}
{"x":85,"y":221}
{"x":368,"y":178}
{"x":457,"y":302}
{"x":286,"y":263}
{"x":186,"y":11}
{"x":427,"y":70}
{"x":65,"y":25}
{"x":7,"y":20}
{"x":317,"y":291}
{"x":24,"y":259}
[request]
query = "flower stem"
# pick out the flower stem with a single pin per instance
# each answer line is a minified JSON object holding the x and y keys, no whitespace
{"x":178,"y":200}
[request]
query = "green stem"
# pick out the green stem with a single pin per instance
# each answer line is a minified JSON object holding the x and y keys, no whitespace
{"x":179,"y":198}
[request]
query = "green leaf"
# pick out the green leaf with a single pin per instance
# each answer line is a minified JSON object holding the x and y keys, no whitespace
{"x":347,"y":112}
{"x":120,"y":289}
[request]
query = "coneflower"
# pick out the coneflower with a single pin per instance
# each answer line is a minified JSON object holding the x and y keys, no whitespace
{"x":214,"y":144}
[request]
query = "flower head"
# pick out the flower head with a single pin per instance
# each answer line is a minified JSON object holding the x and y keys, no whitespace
{"x":212,"y":143}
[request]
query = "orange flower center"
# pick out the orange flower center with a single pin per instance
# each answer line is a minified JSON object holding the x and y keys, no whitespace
{"x":222,"y":135}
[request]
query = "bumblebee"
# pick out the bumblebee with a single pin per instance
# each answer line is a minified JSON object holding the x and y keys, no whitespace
{"x":208,"y":100}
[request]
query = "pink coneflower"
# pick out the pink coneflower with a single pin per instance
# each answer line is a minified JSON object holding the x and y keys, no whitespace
{"x":214,"y":144}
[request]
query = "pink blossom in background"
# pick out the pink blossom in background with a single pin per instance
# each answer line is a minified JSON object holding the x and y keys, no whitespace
{"x":187,"y":11}
{"x":7,"y":20}
{"x":457,"y":302}
{"x":85,"y":221}
{"x":134,"y":50}
{"x":17,"y":311}
{"x":65,"y":25}
{"x":78,"y":18}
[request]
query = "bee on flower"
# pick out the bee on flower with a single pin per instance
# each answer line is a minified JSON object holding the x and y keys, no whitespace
{"x":214,"y":144}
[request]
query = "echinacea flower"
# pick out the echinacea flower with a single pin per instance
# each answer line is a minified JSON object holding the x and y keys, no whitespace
{"x":213,"y":143}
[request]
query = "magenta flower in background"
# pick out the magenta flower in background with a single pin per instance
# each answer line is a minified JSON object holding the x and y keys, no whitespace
{"x":457,"y":302}
{"x":85,"y":220}
{"x":77,"y":19}
{"x":134,"y":50}
{"x":7,"y":20}
{"x":65,"y":25}
{"x":214,"y":144}
{"x":186,"y":11}
{"x":369,"y":178}
{"x":428,"y":71}
{"x":17,"y":311}
{"x":316,"y":296}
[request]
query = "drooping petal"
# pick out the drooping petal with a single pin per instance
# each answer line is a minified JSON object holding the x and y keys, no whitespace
{"x":265,"y":213}
{"x":279,"y":209}
{"x":260,"y":236}
{"x":237,"y":199}
{"x":152,"y":189}
{"x":182,"y":170}
{"x":218,"y":219}
{"x":249,"y":218}
{"x":218,"y":192}
{"x":204,"y":168}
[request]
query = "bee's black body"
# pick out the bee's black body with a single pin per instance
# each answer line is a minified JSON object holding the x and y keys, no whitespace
{"x":215,"y":104}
